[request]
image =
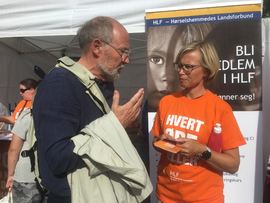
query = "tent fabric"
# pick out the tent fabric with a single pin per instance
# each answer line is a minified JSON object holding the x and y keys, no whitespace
{"x":64,"y":17}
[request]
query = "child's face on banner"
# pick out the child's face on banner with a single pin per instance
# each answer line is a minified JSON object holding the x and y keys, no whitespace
{"x":162,"y":79}
{"x":163,"y":45}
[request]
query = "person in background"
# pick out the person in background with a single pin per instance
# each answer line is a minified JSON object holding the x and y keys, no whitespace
{"x":186,"y":119}
{"x":27,"y":89}
{"x":3,"y":112}
{"x":21,"y":180}
{"x":162,"y":48}
{"x":64,"y":107}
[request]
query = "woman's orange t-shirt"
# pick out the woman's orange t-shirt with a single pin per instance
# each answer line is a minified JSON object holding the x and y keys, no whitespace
{"x":181,"y":179}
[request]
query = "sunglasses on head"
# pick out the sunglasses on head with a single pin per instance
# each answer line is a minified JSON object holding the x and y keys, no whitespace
{"x":23,"y":90}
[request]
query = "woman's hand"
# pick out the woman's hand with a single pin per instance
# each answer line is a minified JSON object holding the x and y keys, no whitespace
{"x":9,"y":183}
{"x":226,"y":161}
{"x":189,"y":147}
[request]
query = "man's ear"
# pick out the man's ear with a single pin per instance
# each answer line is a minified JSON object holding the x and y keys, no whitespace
{"x":96,"y":47}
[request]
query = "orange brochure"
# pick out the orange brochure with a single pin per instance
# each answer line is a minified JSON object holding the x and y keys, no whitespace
{"x":167,"y":146}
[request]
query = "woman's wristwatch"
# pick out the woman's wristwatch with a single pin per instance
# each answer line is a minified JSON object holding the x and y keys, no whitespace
{"x":206,"y":154}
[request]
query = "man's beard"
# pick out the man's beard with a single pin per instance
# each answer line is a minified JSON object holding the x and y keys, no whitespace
{"x":110,"y":76}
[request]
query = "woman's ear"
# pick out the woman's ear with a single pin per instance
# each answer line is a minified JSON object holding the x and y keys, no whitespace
{"x":206,"y":74}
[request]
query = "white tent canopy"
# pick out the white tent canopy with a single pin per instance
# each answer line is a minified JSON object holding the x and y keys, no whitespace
{"x":63,"y":17}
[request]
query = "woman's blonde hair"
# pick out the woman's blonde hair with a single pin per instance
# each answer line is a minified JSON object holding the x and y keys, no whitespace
{"x":209,"y":56}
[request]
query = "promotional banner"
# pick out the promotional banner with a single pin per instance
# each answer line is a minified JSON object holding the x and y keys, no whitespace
{"x":235,"y":32}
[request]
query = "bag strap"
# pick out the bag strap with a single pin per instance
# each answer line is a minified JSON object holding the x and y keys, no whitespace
{"x":87,"y":79}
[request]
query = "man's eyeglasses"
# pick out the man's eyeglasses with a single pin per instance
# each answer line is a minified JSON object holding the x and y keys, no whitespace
{"x":123,"y":53}
{"x":23,"y":90}
{"x":187,"y":68}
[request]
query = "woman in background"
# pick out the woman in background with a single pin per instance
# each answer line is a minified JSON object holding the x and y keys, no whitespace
{"x":21,"y":181}
{"x":27,"y":89}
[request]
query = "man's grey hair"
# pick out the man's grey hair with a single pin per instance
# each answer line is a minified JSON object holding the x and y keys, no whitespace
{"x":97,"y":28}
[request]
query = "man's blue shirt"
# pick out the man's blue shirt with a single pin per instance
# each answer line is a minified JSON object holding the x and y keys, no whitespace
{"x":61,"y":109}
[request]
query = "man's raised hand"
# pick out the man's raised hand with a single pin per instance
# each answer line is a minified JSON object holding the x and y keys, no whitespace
{"x":130,"y":111}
